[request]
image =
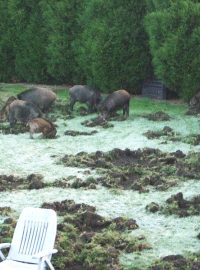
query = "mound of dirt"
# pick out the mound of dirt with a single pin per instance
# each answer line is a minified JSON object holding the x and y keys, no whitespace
{"x":178,"y":262}
{"x":153,"y":207}
{"x":97,"y":121}
{"x":17,"y":129}
{"x":86,"y":240}
{"x":79,"y":133}
{"x":11,"y":182}
{"x":138,"y":170}
{"x":168,"y":134}
{"x":157,"y":116}
{"x":165,"y":132}
{"x":177,"y":205}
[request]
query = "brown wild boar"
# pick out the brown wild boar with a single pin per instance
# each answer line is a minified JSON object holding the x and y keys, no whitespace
{"x":41,"y":125}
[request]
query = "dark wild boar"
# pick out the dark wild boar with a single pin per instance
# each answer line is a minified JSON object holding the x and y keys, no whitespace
{"x":84,"y":94}
{"x":41,"y":125}
{"x":117,"y":100}
{"x":42,"y":97}
{"x":21,"y":111}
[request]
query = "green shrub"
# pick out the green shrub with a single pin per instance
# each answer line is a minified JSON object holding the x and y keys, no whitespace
{"x":30,"y":42}
{"x":112,"y":50}
{"x":174,"y":35}
{"x":62,"y":26}
{"x":7,"y":56}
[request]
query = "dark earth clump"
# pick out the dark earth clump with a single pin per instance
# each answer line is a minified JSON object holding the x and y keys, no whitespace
{"x":78,"y":133}
{"x":178,"y":262}
{"x":8,"y":225}
{"x":17,"y":129}
{"x":193,"y":139}
{"x":35,"y":181}
{"x":168,"y":134}
{"x":177,"y":205}
{"x":153,"y":207}
{"x":138,"y":170}
{"x":11,"y":182}
{"x":86,"y":240}
{"x":97,"y":121}
{"x":157,"y":116}
{"x":165,"y":132}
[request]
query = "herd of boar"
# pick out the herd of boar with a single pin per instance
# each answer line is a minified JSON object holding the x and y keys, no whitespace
{"x":29,"y":106}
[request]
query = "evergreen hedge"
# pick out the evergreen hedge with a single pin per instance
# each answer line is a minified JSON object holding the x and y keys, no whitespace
{"x":113,"y":48}
{"x":102,"y":43}
{"x":174,"y":34}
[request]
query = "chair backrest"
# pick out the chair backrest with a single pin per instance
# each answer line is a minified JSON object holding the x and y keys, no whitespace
{"x":35,"y":232}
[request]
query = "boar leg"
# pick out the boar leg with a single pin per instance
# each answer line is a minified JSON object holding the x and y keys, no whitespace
{"x":11,"y":119}
{"x":31,"y":135}
{"x":71,"y":104}
{"x":126,"y":110}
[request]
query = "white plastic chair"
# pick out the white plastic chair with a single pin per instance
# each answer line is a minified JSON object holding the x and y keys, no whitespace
{"x":33,"y":241}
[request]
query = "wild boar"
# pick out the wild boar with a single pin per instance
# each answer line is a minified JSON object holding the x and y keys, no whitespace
{"x":117,"y":100}
{"x":84,"y":94}
{"x":42,"y":97}
{"x":41,"y":125}
{"x":21,"y":111}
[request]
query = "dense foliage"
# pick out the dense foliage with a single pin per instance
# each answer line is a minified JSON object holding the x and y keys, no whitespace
{"x":108,"y":44}
{"x":7,"y":56}
{"x":113,"y":47}
{"x":174,"y":34}
{"x":63,"y":27}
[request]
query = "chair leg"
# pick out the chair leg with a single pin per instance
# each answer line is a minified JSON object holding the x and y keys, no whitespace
{"x":2,"y":256}
{"x":45,"y":261}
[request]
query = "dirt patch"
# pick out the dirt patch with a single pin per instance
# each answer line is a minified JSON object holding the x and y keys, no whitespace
{"x":11,"y":182}
{"x":17,"y":129}
{"x":166,"y":132}
{"x":79,"y":133}
{"x":138,"y":170}
{"x":97,"y":121}
{"x":153,"y":207}
{"x":193,"y":139}
{"x":157,"y":116}
{"x":177,"y":205}
{"x":178,"y":262}
{"x":76,"y":182}
{"x":86,"y":240}
{"x":8,"y":225}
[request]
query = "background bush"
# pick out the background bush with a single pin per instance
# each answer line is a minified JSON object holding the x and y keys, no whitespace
{"x":113,"y":47}
{"x":102,"y":43}
{"x":174,"y":34}
{"x":62,"y":27}
{"x":30,"y":40}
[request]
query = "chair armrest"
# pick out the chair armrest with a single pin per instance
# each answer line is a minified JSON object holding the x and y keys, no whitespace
{"x":5,"y":245}
{"x":44,"y":254}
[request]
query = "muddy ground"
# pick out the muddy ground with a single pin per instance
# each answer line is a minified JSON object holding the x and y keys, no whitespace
{"x":137,"y":170}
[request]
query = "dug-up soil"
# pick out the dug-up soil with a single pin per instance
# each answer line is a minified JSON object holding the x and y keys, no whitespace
{"x":137,"y":170}
{"x":168,"y":134}
{"x":177,"y":205}
{"x":85,"y":240}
